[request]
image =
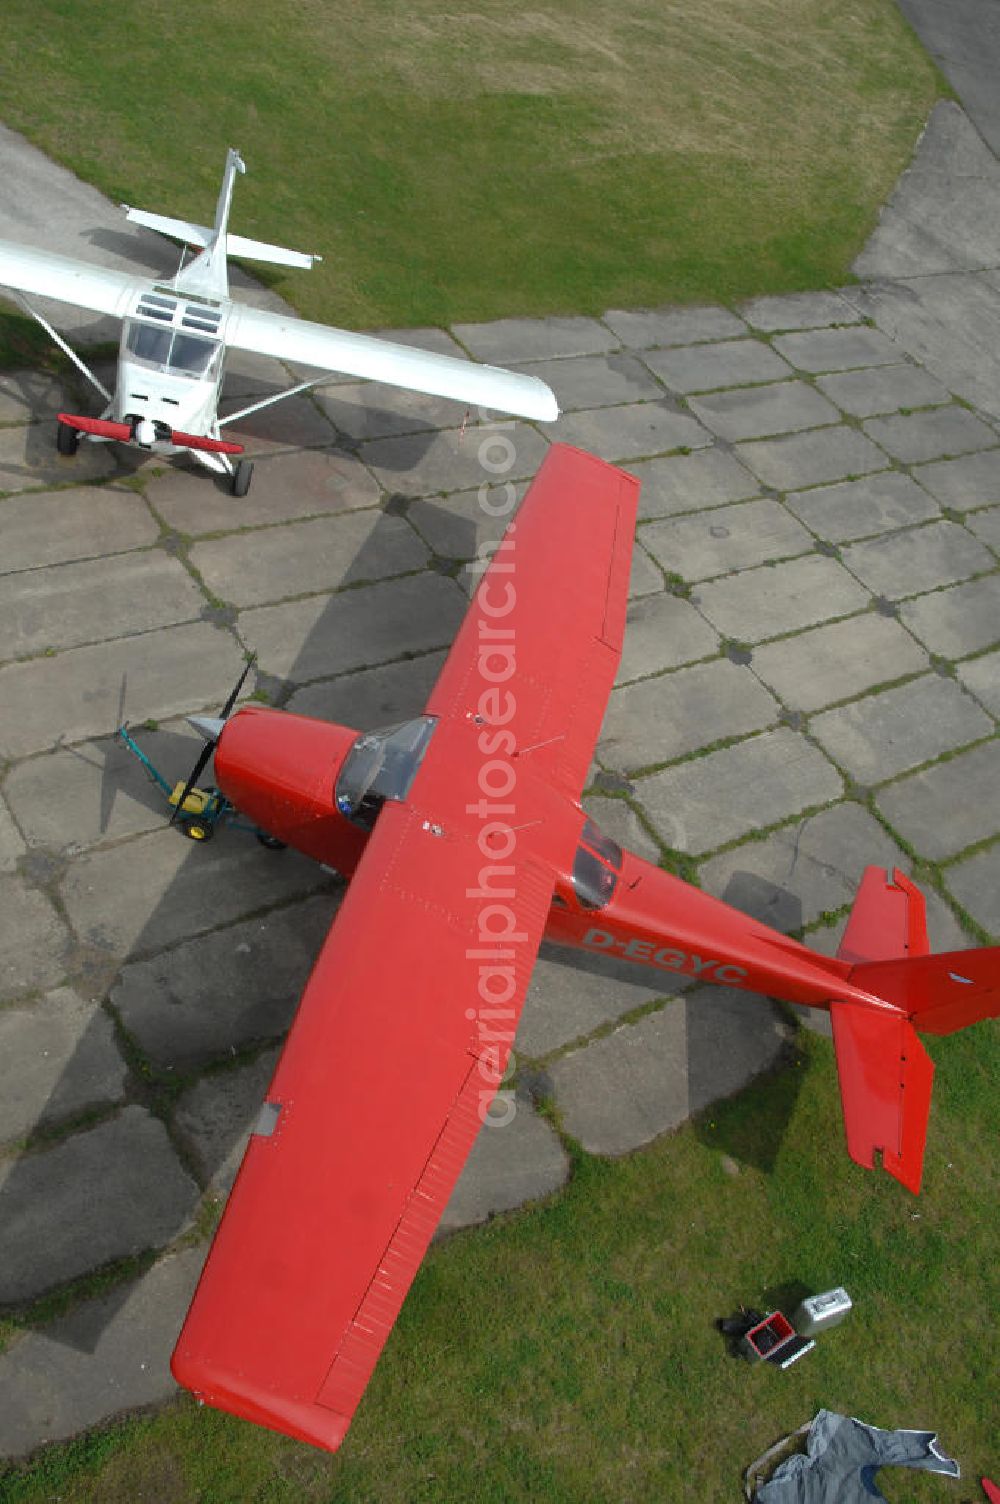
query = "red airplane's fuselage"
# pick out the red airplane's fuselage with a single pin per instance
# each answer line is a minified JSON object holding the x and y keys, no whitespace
{"x":287,"y":773}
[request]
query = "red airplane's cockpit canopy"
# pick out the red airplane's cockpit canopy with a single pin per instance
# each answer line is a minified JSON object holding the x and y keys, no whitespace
{"x":382,"y":765}
{"x":596,"y":866}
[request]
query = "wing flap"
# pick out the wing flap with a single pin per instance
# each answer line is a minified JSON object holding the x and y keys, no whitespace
{"x":372,"y":359}
{"x":363,"y":1343}
{"x":886,"y":1077}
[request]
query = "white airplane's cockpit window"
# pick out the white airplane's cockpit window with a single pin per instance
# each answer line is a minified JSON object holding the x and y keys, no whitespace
{"x":381,"y":765}
{"x":191,"y":355}
{"x":179,"y":354}
{"x":148,"y":343}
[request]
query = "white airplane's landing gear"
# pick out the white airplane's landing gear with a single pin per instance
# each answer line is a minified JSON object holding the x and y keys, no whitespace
{"x":67,"y":439}
{"x":242,"y":476}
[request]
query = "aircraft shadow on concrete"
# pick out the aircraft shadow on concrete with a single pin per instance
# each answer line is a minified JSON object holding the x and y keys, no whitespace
{"x":752,"y":1135}
{"x":147,"y":253}
{"x":167,"y":992}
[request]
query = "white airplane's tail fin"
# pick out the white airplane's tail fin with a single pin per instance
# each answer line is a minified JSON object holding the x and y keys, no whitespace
{"x":207,"y":273}
{"x":234,"y":164}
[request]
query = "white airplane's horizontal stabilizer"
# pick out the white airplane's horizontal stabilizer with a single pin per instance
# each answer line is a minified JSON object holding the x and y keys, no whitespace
{"x":373,"y":359}
{"x":260,"y":250}
{"x":179,"y":229}
{"x":236,"y":245}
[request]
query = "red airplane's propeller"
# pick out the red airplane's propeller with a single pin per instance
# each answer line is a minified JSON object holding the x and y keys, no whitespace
{"x":211,"y":730}
{"x":127,"y":433}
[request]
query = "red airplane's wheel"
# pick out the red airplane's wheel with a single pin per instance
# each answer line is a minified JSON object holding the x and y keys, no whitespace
{"x":67,"y":439}
{"x":270,"y":842}
{"x":242,"y":476}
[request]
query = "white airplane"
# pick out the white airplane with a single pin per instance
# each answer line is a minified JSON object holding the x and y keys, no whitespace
{"x":175,"y":334}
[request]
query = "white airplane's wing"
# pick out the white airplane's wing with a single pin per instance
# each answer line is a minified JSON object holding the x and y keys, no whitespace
{"x":374,"y":359}
{"x":264,"y":333}
{"x":26,"y":269}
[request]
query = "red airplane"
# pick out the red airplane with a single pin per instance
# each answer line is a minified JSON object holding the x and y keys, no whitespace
{"x":466,"y":842}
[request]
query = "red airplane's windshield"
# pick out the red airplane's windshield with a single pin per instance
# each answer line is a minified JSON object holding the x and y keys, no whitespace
{"x":381,"y":765}
{"x":596,"y":867}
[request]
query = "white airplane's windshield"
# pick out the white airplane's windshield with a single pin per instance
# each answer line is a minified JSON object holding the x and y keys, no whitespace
{"x":180,"y":354}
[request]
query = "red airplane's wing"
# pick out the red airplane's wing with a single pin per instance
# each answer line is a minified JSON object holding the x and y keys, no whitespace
{"x":406,"y":1023}
{"x":376,"y":1101}
{"x":542,"y":640}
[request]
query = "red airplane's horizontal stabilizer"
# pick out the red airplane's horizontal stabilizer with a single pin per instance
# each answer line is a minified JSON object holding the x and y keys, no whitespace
{"x":885,"y":1088}
{"x":941,"y":993}
{"x":102,"y":427}
{"x":888,"y":919}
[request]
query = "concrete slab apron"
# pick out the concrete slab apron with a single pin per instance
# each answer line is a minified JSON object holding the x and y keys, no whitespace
{"x":926,"y":269}
{"x":200,"y":955}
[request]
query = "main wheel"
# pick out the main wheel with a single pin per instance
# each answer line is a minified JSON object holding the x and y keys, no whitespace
{"x":271,"y":842}
{"x":197,"y":830}
{"x":242,"y":476}
{"x":67,"y":439}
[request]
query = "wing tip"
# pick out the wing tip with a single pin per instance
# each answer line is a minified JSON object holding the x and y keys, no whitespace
{"x":301,"y":1419}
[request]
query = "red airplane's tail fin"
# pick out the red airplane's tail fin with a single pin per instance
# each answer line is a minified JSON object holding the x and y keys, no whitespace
{"x":885,"y":1089}
{"x":885,"y":1072}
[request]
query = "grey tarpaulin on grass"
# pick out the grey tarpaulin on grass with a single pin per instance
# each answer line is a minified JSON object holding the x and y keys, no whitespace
{"x":842,"y":1458}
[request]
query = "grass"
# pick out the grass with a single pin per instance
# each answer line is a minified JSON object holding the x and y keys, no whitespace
{"x":23,"y":343}
{"x":549,"y":1356}
{"x":470,"y":164}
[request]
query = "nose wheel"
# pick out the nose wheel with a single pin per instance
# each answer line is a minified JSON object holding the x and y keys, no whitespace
{"x":242,"y":476}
